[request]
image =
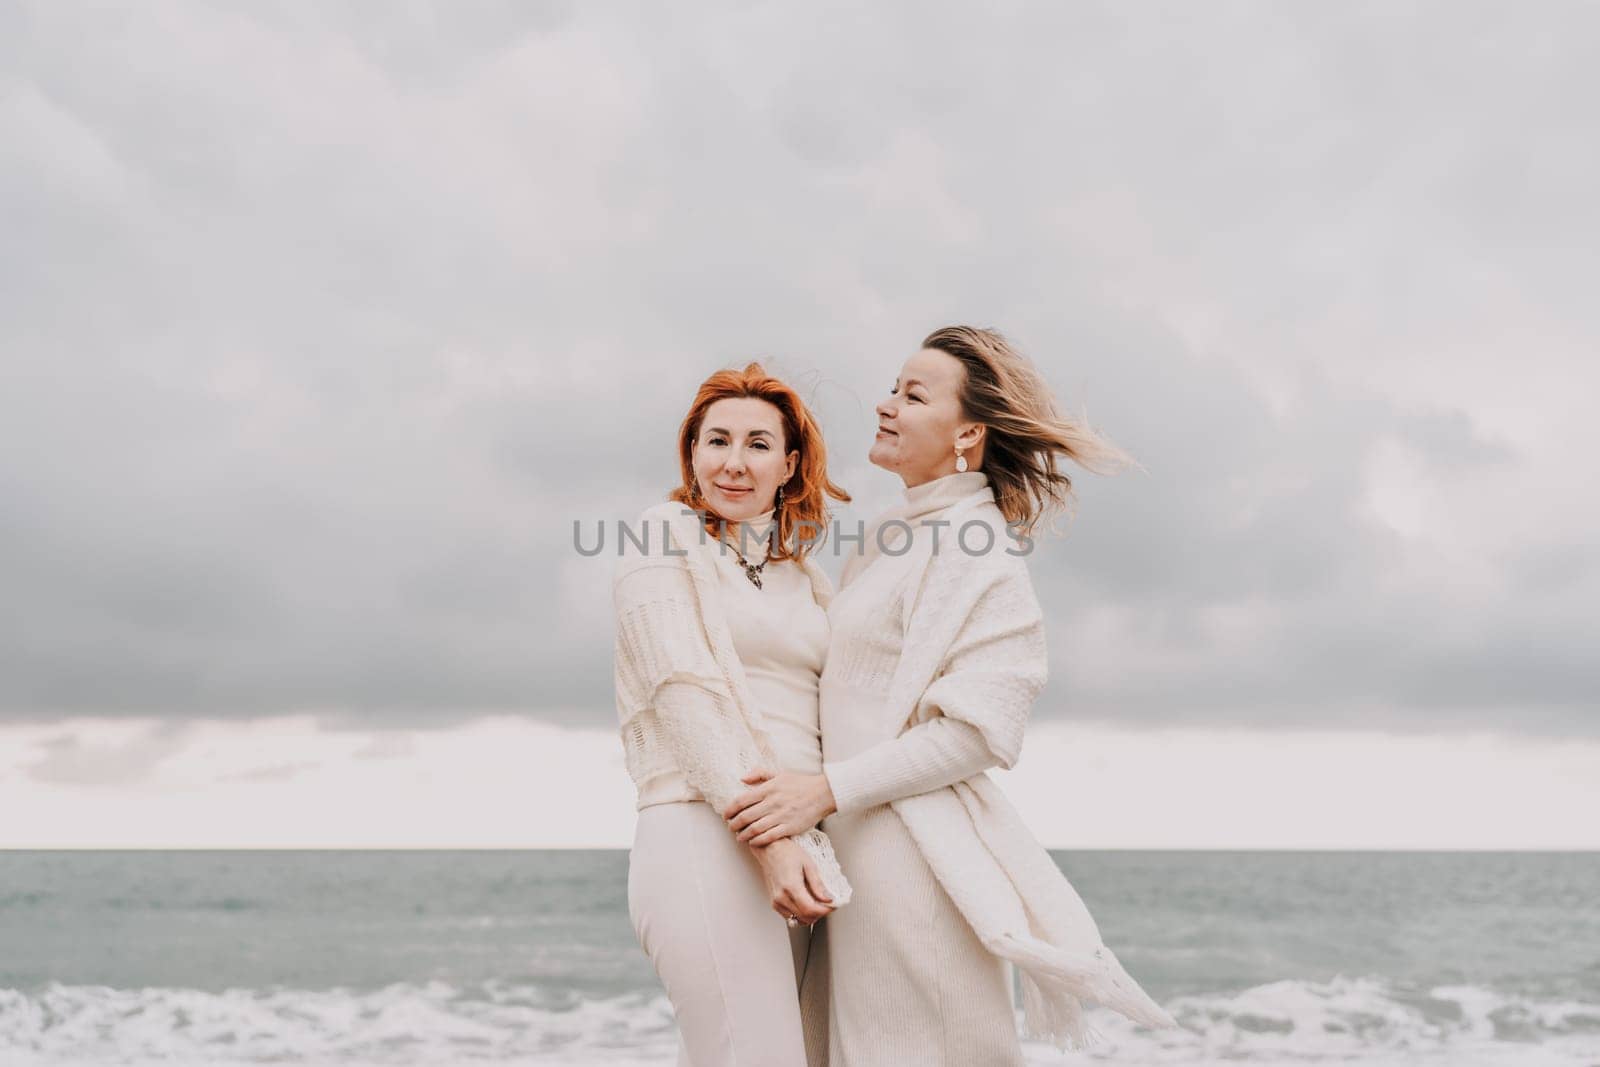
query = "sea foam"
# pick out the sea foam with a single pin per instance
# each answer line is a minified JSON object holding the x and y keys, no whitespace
{"x":1366,"y":1020}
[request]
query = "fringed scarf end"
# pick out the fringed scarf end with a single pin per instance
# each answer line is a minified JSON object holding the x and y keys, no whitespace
{"x":1054,"y":996}
{"x":1056,"y":1017}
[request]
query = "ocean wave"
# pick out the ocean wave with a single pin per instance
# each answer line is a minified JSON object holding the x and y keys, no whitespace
{"x":423,"y":1023}
{"x":1364,"y":1019}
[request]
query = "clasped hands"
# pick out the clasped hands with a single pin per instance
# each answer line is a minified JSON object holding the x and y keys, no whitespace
{"x":780,"y":805}
{"x":767,"y":817}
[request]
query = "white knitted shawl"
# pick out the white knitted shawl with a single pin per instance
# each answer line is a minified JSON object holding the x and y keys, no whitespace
{"x":682,"y":697}
{"x":974,"y":650}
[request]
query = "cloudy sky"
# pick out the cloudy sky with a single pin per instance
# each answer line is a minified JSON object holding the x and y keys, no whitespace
{"x":321,"y":326}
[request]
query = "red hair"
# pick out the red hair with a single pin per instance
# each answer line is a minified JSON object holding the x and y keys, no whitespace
{"x":803,"y":494}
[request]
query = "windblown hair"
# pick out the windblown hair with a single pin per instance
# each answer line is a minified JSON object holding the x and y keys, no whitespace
{"x":803,"y":494}
{"x":1025,"y":434}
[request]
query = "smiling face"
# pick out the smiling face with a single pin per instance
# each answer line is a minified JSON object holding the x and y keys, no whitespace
{"x":739,"y":459}
{"x":921,"y":422}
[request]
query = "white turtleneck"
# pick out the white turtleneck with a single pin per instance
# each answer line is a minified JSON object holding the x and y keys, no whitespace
{"x":867,"y":635}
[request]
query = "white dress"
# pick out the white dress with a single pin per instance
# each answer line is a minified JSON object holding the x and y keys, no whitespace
{"x":731,"y":966}
{"x":910,"y":981}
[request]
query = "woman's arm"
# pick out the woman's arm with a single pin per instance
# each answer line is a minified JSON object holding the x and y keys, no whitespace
{"x":665,"y":667}
{"x":1000,"y":649}
{"x":930,"y":755}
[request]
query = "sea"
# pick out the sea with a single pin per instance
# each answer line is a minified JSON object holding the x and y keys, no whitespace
{"x":358,"y":957}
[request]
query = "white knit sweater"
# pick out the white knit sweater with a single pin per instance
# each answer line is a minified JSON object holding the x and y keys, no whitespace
{"x":973,"y":652}
{"x":866,"y":616}
{"x":780,"y":633}
{"x":683,"y":699}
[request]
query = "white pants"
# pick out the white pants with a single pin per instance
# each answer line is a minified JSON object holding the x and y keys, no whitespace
{"x":733,"y":969}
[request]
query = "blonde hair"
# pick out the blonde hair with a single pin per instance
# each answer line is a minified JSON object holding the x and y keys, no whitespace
{"x":1025,"y":432}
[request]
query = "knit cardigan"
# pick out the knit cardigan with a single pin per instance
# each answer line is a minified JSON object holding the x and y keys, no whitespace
{"x":682,"y":698}
{"x":974,"y":650}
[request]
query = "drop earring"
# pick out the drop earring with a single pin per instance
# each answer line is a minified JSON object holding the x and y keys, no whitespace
{"x":961,"y":461}
{"x":779,"y":504}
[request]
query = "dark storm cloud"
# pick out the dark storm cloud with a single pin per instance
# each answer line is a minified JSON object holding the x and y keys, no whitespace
{"x":319,"y":327}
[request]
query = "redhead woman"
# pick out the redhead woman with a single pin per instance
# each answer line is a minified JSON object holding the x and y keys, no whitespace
{"x":721,"y":631}
{"x":936,"y":654}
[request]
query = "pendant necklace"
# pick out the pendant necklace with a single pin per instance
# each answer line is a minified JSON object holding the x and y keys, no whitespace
{"x":752,"y":571}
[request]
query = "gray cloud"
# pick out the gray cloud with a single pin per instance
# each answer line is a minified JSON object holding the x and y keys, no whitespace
{"x":318,"y":329}
{"x":69,"y":760}
{"x":277,"y":772}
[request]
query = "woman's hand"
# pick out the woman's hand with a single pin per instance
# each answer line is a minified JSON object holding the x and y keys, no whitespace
{"x":793,"y":884}
{"x":781,"y":805}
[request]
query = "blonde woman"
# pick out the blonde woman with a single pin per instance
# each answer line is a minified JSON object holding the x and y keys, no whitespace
{"x":721,"y":630}
{"x":936,"y":654}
